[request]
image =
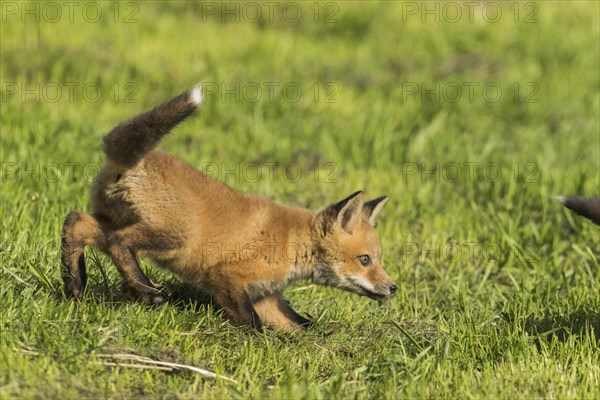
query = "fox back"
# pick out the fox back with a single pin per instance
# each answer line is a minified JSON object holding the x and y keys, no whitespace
{"x":243,"y":248}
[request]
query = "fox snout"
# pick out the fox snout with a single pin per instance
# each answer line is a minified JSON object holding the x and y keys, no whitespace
{"x":375,"y":289}
{"x":384,"y":290}
{"x":393,"y":288}
{"x":382,"y":285}
{"x":380,"y":291}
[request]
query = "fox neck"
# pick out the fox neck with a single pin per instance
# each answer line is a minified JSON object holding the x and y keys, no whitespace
{"x":303,"y":249}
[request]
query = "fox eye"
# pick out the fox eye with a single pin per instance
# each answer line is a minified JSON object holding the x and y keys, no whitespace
{"x":365,"y":260}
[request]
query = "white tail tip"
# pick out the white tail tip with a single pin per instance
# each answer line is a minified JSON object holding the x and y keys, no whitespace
{"x":196,"y":94}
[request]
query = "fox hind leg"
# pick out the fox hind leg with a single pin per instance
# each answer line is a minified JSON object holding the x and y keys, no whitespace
{"x":79,"y":230}
{"x":120,"y":246}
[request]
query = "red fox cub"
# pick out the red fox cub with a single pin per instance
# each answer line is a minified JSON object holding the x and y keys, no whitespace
{"x":243,"y":248}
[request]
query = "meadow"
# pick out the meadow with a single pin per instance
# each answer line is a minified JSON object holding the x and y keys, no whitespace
{"x":471,"y":117}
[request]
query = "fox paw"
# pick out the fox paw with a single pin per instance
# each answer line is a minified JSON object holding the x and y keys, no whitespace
{"x":155,"y":295}
{"x":159,"y":295}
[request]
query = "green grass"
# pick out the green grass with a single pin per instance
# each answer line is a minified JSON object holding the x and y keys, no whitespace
{"x":499,"y":287}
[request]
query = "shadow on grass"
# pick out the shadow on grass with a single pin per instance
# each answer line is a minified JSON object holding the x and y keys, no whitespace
{"x":186,"y":296}
{"x":579,"y":323}
{"x":182,"y":296}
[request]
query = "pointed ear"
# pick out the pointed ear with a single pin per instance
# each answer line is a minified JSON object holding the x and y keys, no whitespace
{"x":348,"y":211}
{"x":372,"y":208}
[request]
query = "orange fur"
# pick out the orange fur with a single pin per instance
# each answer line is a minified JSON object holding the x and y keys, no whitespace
{"x":244,"y":248}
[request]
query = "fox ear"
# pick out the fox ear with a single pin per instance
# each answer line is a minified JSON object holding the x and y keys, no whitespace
{"x":348,"y":211}
{"x":372,"y":208}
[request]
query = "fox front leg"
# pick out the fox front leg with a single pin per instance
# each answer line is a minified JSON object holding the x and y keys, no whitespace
{"x":236,"y":302}
{"x":276,"y":312}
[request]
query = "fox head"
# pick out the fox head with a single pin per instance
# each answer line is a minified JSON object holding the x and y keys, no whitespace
{"x":348,"y":252}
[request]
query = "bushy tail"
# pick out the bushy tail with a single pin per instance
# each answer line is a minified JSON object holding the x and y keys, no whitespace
{"x":588,"y":207}
{"x":128,"y":142}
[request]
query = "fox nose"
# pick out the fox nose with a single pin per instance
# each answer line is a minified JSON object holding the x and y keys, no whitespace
{"x":393,"y":288}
